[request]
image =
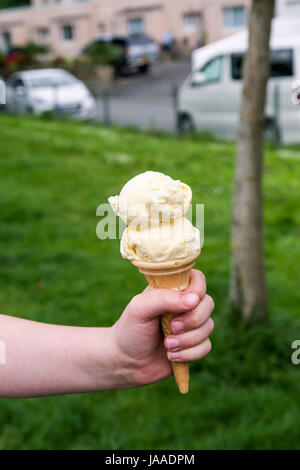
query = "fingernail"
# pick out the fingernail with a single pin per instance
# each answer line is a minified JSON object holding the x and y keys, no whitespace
{"x":173,"y":356}
{"x":177,"y":326}
{"x":190,"y":300}
{"x":172,"y":343}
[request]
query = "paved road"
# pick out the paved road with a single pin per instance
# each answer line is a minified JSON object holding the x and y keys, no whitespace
{"x":146,"y":101}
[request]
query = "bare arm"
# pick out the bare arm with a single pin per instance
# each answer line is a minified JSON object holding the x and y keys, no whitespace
{"x":44,"y":359}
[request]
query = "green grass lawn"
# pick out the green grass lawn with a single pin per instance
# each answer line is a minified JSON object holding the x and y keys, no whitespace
{"x":245,"y":394}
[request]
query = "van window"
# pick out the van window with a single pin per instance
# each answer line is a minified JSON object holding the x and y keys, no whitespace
{"x":281,"y":64}
{"x":213,"y":70}
{"x":18,"y":83}
{"x":236,"y":66}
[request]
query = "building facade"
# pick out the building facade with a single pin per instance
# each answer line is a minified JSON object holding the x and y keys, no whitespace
{"x":68,"y":25}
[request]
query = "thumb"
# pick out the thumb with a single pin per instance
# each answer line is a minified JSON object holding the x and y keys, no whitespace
{"x":153,"y":303}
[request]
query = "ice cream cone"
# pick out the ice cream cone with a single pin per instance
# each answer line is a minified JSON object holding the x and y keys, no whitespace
{"x":173,"y":274}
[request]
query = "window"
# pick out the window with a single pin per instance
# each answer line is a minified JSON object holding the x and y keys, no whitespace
{"x":17,"y":83}
{"x":213,"y":70}
{"x":67,"y":32}
{"x":6,"y":41}
{"x":135,"y":25}
{"x":236,"y":66}
{"x":43,"y":34}
{"x":56,"y":79}
{"x":234,"y":17}
{"x":191,"y":20}
{"x":281,"y":64}
{"x":102,"y":28}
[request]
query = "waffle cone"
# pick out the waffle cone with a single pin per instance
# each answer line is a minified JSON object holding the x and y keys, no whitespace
{"x":170,"y":275}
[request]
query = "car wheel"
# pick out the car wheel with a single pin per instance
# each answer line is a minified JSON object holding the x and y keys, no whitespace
{"x":118,"y":70}
{"x":144,"y":68}
{"x":185,"y":124}
{"x":272,"y":132}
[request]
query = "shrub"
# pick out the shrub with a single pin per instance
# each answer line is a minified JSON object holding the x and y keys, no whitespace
{"x":102,"y":53}
{"x":32,"y":49}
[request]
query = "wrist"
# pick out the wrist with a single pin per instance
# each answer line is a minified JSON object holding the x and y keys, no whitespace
{"x":105,"y":365}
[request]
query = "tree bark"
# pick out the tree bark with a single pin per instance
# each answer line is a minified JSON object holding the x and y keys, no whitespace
{"x":247,"y":288}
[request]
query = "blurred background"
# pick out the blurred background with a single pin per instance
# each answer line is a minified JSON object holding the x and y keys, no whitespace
{"x":96,"y":92}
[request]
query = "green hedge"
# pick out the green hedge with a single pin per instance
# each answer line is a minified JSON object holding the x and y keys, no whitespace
{"x":13,"y":3}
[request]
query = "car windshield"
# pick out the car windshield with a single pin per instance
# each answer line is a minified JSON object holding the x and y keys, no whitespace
{"x":139,"y":39}
{"x":51,"y":80}
{"x":119,"y":42}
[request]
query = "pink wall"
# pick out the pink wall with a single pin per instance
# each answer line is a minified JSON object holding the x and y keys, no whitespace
{"x":86,"y":16}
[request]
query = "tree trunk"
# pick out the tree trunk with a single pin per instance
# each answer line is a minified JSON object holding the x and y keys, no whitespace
{"x":247,"y":289}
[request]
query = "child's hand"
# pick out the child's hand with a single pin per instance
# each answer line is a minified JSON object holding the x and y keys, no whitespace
{"x":45,"y":359}
{"x":138,"y":339}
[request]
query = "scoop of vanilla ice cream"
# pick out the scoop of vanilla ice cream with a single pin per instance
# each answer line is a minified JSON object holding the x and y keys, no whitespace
{"x":152,"y":196}
{"x":162,"y":242}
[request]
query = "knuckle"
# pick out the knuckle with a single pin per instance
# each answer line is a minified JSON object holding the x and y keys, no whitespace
{"x":203,"y":277}
{"x":187,"y":356}
{"x":202,"y":283}
{"x":210,"y":302}
{"x":135,"y":304}
{"x":197,"y":353}
{"x":211,"y":324}
{"x":208,"y":346}
{"x":135,"y":300}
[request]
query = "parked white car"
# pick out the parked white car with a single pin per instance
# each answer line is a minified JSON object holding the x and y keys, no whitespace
{"x":2,"y":93}
{"x":209,"y":99}
{"x":38,"y":91}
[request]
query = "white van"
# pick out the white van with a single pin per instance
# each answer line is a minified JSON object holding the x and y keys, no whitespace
{"x":209,"y":99}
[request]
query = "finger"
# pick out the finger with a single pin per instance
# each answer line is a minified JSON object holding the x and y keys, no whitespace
{"x":193,"y":318}
{"x":191,"y":338}
{"x":154,"y":302}
{"x":191,"y":354}
{"x":197,"y":283}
